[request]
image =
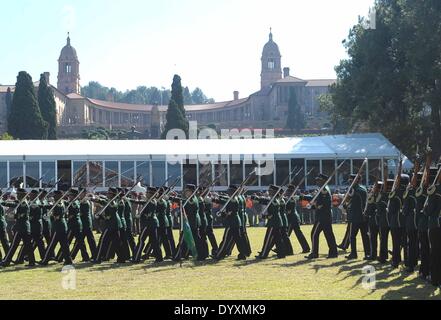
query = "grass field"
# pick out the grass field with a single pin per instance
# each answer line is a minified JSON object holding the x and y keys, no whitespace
{"x":291,"y":278}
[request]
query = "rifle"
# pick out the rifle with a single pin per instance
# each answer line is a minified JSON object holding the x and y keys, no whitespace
{"x":431,"y":190}
{"x":28,"y":193}
{"x":99,"y":214}
{"x":213,"y":183}
{"x":426,"y":175}
{"x":278,"y":191}
{"x":154,"y":195}
{"x":397,"y":181}
{"x":197,"y":189}
{"x":219,"y":213}
{"x":311,"y":203}
{"x":345,"y":198}
{"x":298,"y":186}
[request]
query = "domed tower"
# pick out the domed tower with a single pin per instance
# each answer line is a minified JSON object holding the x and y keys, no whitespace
{"x":271,"y":63}
{"x":68,"y":70}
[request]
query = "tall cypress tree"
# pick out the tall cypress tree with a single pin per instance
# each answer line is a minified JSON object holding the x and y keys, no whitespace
{"x":48,"y":107}
{"x":176,"y":118}
{"x":296,"y":118}
{"x":25,"y":121}
{"x":177,"y":93}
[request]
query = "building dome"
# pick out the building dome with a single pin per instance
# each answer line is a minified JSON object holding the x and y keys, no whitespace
{"x":68,"y":52}
{"x":271,"y":48}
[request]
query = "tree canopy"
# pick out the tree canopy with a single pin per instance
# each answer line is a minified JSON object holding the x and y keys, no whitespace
{"x":391,"y":81}
{"x":142,"y":95}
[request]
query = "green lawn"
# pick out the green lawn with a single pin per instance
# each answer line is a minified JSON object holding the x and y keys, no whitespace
{"x":291,"y":278}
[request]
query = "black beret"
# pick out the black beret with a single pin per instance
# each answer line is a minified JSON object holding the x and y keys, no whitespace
{"x":113,"y":190}
{"x":151,"y":189}
{"x":273,"y":187}
{"x":21,"y":190}
{"x":73,"y":192}
{"x":291,"y":187}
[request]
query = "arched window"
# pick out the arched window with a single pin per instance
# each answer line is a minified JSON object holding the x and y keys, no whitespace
{"x":68,"y":68}
{"x":271,"y":64}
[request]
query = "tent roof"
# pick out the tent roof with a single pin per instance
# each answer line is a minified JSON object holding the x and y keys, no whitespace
{"x":320,"y":147}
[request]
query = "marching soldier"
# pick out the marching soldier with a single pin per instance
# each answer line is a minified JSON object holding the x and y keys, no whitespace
{"x":243,"y":229}
{"x":194,"y":220}
{"x":323,"y":221}
{"x":409,"y":213}
{"x":284,"y":229}
{"x":86,"y":221}
{"x":244,"y":233}
{"x":124,"y":245}
{"x":169,"y":229}
{"x":22,"y":230}
{"x":129,"y":222}
{"x":383,"y":220}
{"x":74,"y":227}
{"x":423,"y":228}
{"x":433,"y":211}
{"x":111,"y":235}
{"x":371,"y":216}
{"x":396,"y":220}
{"x":204,"y":223}
{"x":294,"y":220}
{"x":210,"y":231}
{"x":3,"y":233}
{"x":274,"y":225}
{"x":59,"y":234}
{"x":232,"y":225}
{"x":164,"y":223}
{"x":35,"y":219}
{"x":149,"y":227}
{"x":355,"y":209}
{"x":47,"y":223}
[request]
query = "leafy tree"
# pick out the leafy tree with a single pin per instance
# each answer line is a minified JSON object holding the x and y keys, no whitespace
{"x":296,"y":118}
{"x":198,"y":97}
{"x":141,"y":95}
{"x":48,"y":107}
{"x":389,"y":82}
{"x":187,"y":96}
{"x":25,"y":121}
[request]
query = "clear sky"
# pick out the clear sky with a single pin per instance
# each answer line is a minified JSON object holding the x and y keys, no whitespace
{"x":213,"y":44}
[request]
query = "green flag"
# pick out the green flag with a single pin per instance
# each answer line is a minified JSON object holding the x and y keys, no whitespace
{"x":187,"y":234}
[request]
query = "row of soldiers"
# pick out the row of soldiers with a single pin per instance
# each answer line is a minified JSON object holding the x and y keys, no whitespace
{"x":410,"y":216}
{"x":407,"y":210}
{"x":43,"y":221}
